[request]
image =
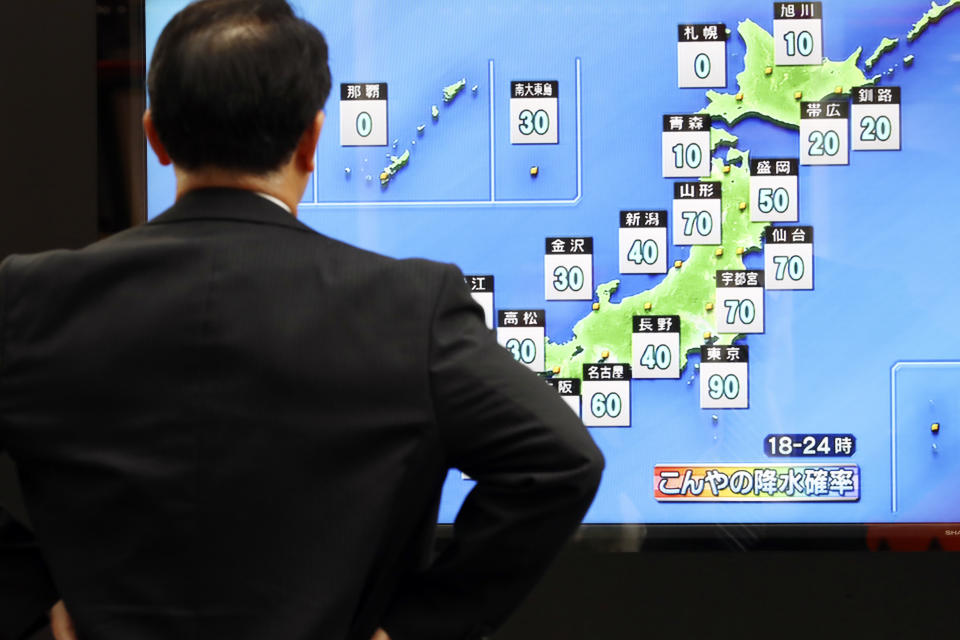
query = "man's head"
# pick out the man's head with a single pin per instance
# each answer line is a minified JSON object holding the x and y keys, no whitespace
{"x":236,"y":86}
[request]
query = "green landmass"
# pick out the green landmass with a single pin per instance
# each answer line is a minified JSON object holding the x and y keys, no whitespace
{"x":772,"y":96}
{"x":908,"y":60}
{"x":886,"y":46}
{"x":721,"y":138}
{"x":451,"y":91}
{"x":684,"y":292}
{"x":932,"y":16}
{"x":399,"y":162}
{"x":396,"y":163}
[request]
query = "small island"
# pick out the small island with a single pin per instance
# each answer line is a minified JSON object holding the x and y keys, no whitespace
{"x":452,"y":91}
{"x":886,"y":46}
{"x":396,"y":163}
{"x":933,"y":16}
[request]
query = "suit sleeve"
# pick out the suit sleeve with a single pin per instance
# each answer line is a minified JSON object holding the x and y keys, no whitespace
{"x":536,"y":470}
{"x":26,"y":588}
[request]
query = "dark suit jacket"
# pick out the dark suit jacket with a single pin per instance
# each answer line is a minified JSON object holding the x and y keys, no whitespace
{"x":229,"y":426}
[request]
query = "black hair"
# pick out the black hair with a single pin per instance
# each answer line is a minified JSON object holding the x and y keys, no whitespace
{"x":234,"y":84}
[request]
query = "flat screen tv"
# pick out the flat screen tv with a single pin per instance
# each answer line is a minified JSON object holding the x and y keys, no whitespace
{"x":726,"y":233}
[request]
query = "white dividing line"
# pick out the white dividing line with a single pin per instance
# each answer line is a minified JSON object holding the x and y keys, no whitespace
{"x":493,"y":146}
{"x":316,"y":179}
{"x":579,"y":137}
{"x":893,"y":415}
{"x":492,"y":201}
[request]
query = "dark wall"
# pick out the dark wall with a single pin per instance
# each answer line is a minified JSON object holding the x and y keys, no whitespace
{"x":48,"y":123}
{"x":48,"y":140}
{"x":48,"y":137}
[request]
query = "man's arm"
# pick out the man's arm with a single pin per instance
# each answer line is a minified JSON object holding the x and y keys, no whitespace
{"x":26,"y":589}
{"x":536,"y":468}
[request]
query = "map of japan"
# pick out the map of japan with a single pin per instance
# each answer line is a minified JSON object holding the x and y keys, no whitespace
{"x":764,"y":91}
{"x":723,"y":233}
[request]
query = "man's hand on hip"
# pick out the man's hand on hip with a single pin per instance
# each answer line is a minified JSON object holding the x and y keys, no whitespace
{"x":61,"y":623}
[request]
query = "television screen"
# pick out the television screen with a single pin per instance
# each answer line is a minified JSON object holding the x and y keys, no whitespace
{"x":725,"y":233}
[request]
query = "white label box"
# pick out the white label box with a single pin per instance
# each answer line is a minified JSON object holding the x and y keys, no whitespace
{"x":739,"y":303}
{"x":534,"y":112}
{"x":697,"y":213}
{"x":643,"y":241}
{"x":521,"y":332}
{"x":702,"y":55}
{"x":774,"y":189}
{"x":363,"y":114}
{"x":824,"y":132}
{"x":606,"y":395}
{"x":685,"y":146}
{"x":724,"y":377}
{"x":569,"y":390}
{"x":481,"y":290}
{"x":568,"y":269}
{"x":875,"y":116}
{"x":797,"y":33}
{"x":788,"y":258}
{"x":656,"y":347}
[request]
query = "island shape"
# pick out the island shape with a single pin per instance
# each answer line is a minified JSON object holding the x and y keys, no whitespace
{"x":932,"y":16}
{"x":886,"y":46}
{"x":396,"y":163}
{"x":768,"y":91}
{"x":451,"y":91}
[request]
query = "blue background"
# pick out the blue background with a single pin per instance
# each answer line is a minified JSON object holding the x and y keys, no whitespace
{"x":885,"y":226}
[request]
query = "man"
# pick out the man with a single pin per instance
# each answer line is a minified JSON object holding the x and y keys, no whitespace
{"x":230,"y":426}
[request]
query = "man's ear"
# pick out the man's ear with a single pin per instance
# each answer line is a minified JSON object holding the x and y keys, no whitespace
{"x":306,"y":153}
{"x":154,"y":139}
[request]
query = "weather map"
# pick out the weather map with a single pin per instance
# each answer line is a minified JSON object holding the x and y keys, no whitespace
{"x":724,"y":232}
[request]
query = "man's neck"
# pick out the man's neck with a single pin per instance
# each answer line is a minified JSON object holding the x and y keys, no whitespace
{"x":280,"y":186}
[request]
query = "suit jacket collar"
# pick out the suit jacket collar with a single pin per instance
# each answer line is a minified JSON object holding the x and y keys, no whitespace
{"x":228,"y":204}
